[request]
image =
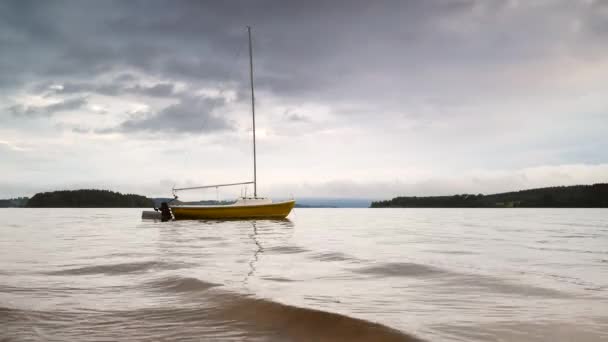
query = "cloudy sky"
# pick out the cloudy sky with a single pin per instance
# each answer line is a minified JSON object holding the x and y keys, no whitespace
{"x":354,"y":98}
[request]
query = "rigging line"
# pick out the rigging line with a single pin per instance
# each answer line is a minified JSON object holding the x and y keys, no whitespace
{"x":210,"y":186}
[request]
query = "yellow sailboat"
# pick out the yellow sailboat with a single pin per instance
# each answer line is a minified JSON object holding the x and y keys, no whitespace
{"x":245,"y":207}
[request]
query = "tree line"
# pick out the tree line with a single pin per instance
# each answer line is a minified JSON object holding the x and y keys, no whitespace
{"x":577,"y":196}
{"x":13,"y":202}
{"x":88,"y":198}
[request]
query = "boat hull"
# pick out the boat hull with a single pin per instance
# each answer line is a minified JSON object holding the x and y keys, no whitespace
{"x":278,"y":210}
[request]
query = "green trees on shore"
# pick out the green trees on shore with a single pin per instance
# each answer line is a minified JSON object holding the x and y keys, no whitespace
{"x":577,"y":196}
{"x":88,"y":198}
{"x":13,"y":202}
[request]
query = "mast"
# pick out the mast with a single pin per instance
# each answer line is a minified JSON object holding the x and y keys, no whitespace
{"x":255,"y":190}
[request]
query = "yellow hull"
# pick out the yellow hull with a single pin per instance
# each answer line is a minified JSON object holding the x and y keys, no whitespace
{"x":278,"y":210}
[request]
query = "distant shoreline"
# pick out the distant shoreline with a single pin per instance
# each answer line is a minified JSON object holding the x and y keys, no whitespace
{"x":576,"y":196}
{"x":84,"y":198}
{"x":92,"y":198}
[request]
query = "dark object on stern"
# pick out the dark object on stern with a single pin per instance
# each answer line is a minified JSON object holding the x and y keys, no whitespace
{"x":165,"y":212}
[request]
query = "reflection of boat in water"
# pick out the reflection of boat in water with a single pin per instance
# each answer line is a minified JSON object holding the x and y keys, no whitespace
{"x":245,"y":207}
{"x":275,"y":229}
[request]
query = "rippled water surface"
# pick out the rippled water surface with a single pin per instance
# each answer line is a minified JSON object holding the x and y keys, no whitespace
{"x":324,"y":274}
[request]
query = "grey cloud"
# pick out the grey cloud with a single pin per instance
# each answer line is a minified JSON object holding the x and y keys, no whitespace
{"x":314,"y":50}
{"x":66,"y":105}
{"x":80,"y":130}
{"x":125,"y":78}
{"x":596,"y":20}
{"x":195,"y":40}
{"x":85,"y":87}
{"x":49,"y":88}
{"x":190,"y":115}
{"x":157,"y":90}
{"x":117,"y":88}
{"x":387,"y":55}
{"x":295,"y":117}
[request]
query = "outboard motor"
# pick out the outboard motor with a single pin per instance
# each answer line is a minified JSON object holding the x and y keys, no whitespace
{"x":165,"y":212}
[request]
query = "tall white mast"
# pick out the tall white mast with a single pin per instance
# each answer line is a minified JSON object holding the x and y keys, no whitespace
{"x":255,"y":190}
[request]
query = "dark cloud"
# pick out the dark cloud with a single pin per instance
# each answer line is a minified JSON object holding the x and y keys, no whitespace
{"x":189,"y":39}
{"x":190,"y":115}
{"x":597,"y":18}
{"x":87,"y":87}
{"x":157,"y":90}
{"x":384,"y":52}
{"x":113,"y":89}
{"x":66,"y":105}
{"x":125,"y":78}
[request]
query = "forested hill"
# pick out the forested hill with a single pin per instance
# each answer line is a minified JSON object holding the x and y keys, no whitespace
{"x":88,"y":199}
{"x":577,"y":196}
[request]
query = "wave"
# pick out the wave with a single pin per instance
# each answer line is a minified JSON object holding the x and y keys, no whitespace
{"x":400,"y":269}
{"x":180,"y":284}
{"x":8,"y":313}
{"x":286,"y":322}
{"x":117,"y":269}
{"x":286,"y":250}
{"x":453,"y":252}
{"x":220,"y":315}
{"x":278,"y":279}
{"x":460,"y":281}
{"x":477,"y":283}
{"x":263,"y":317}
{"x":333,"y":256}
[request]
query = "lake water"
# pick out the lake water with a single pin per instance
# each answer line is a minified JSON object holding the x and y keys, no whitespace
{"x":322,"y":275}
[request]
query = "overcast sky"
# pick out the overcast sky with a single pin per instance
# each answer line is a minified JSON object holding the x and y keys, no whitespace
{"x":354,"y":98}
